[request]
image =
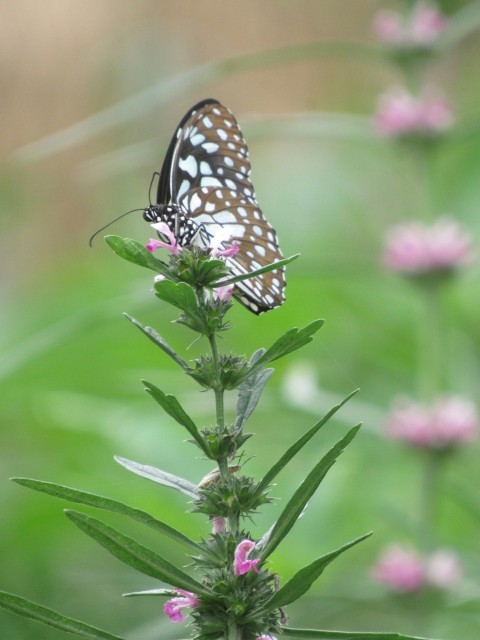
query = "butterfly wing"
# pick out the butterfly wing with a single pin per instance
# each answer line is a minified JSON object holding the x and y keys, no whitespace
{"x":214,"y":209}
{"x":207,"y":173}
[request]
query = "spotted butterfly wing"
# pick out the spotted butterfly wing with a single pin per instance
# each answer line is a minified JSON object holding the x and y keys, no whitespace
{"x":205,"y":178}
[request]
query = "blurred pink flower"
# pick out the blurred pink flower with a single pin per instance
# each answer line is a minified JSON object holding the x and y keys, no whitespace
{"x":403,"y":569}
{"x":400,"y":568}
{"x":443,"y":568}
{"x":240,"y":563}
{"x":173,"y":608}
{"x":400,"y":113}
{"x":223,"y":293}
{"x":420,"y":27}
{"x":448,"y":421}
{"x":415,"y":247}
{"x":219,"y":524}
{"x":427,"y":22}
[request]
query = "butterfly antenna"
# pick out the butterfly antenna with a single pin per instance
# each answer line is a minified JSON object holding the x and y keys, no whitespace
{"x":109,"y":223}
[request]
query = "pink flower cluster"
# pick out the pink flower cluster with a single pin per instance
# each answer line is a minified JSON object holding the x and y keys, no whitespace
{"x":415,"y":247}
{"x":241,"y":565}
{"x":404,"y":570}
{"x":450,"y":420}
{"x":400,"y":113}
{"x":420,"y":27}
{"x":223,"y":293}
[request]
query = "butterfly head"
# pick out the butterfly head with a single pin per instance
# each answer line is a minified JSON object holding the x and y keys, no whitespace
{"x":160,"y":213}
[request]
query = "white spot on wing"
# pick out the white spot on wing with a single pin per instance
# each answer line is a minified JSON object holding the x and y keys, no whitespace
{"x":211,"y":147}
{"x":197,"y":139}
{"x":209,"y":181}
{"x":205,"y":169}
{"x":195,"y":202}
{"x":189,"y":165}
{"x":183,"y":188}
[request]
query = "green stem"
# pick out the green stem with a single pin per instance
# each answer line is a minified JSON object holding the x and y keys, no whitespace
{"x":429,"y":493}
{"x":234,"y":632}
{"x":430,"y":358}
{"x":219,"y":405}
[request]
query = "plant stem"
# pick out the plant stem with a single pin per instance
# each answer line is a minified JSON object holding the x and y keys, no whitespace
{"x":429,"y":492}
{"x":234,"y":632}
{"x":430,"y":365}
{"x":219,"y":406}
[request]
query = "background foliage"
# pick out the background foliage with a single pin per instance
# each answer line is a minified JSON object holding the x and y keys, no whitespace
{"x":70,"y":363}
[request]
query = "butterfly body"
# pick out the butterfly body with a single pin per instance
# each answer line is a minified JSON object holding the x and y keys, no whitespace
{"x":204,"y":186}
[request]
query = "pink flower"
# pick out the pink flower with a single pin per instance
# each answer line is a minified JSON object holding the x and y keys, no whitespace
{"x":400,"y":568}
{"x":219,"y":524}
{"x":163,"y":228}
{"x":173,"y":608}
{"x":223,"y":293}
{"x":443,"y":568}
{"x":240,"y":562}
{"x":421,"y":27}
{"x":415,"y":247}
{"x":448,"y":421}
{"x":223,"y":235}
{"x":427,"y":22}
{"x":400,"y":113}
{"x":389,"y":27}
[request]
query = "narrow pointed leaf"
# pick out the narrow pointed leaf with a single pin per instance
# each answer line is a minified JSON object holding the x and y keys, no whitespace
{"x":160,"y":342}
{"x":302,"y":495}
{"x":250,"y":390}
{"x":107,"y":504}
{"x":157,"y":475}
{"x":297,"y":446}
{"x":252,"y":274}
{"x":303,"y":579}
{"x":171,"y":405}
{"x":133,"y":251}
{"x":149,"y":592}
{"x":322,"y":634}
{"x":28,"y":609}
{"x":292,"y":340}
{"x":134,"y":554}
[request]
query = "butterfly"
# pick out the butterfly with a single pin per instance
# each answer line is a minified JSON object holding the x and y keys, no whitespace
{"x":204,"y":187}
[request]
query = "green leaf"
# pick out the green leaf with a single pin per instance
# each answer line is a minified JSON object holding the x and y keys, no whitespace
{"x":462,"y":24}
{"x":292,"y":340}
{"x":303,"y":579}
{"x":157,"y":475}
{"x":133,"y":251}
{"x":347,"y":635}
{"x":171,"y":405}
{"x":250,"y":390}
{"x":134,"y":554}
{"x":107,"y":504}
{"x":252,"y":274}
{"x":180,"y":294}
{"x":302,"y":495}
{"x":297,"y":446}
{"x":28,"y":609}
{"x":149,"y":592}
{"x":160,"y":342}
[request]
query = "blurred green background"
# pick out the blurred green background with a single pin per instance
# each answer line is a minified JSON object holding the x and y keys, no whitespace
{"x":112,"y":79}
